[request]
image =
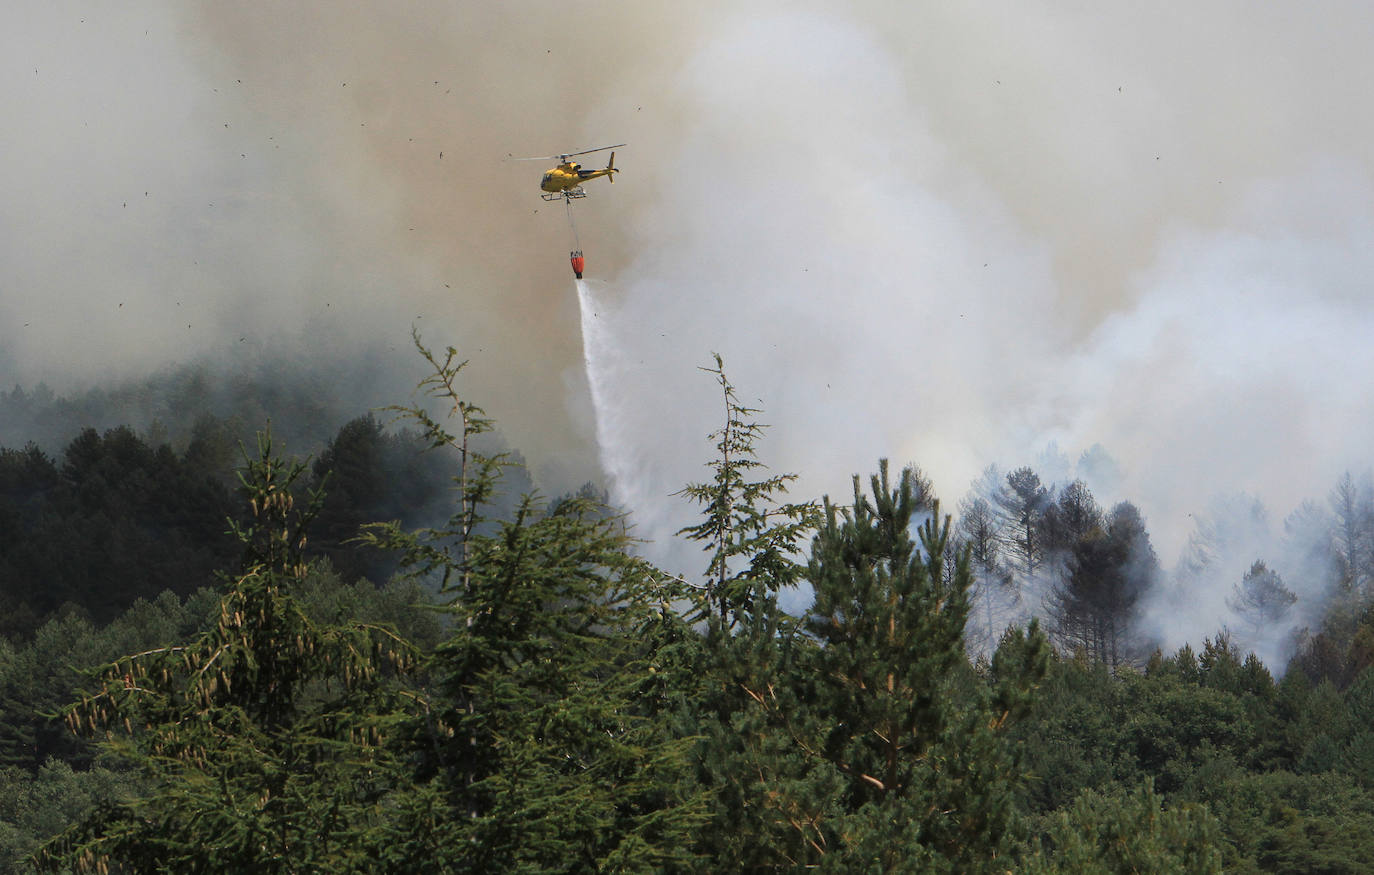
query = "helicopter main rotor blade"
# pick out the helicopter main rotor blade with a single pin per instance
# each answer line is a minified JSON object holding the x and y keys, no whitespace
{"x":564,"y":155}
{"x":589,"y":151}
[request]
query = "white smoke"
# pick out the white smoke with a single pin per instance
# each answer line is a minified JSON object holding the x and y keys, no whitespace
{"x":859,"y":307}
{"x":950,"y":234}
{"x":1242,"y":369}
{"x":878,"y":297}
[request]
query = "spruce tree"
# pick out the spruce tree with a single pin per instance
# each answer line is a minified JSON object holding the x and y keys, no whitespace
{"x":731,"y":679}
{"x":750,"y":534}
{"x":547,"y":747}
{"x":262,"y":741}
{"x":441,"y":553}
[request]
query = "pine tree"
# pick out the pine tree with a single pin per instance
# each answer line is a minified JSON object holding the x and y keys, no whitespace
{"x":890,"y":754}
{"x":1108,"y":565}
{"x":1135,"y":572}
{"x":1261,"y":599}
{"x":351,"y":467}
{"x":1023,"y":502}
{"x":1130,"y":832}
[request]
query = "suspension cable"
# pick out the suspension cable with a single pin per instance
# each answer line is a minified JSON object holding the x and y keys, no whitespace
{"x":577,"y":244}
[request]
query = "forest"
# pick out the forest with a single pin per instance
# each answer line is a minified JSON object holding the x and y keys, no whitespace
{"x":396,"y":654}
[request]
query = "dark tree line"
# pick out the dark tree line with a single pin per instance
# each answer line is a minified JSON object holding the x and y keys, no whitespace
{"x":137,"y":519}
{"x":141,"y":519}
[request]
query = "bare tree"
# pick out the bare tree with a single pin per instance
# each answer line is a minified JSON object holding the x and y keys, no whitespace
{"x":1352,"y":502}
{"x":980,"y":531}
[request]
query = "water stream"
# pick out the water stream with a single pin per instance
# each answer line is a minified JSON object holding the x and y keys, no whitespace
{"x":596,"y":352}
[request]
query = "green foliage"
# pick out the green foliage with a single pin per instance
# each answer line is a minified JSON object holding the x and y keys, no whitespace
{"x":116,"y":510}
{"x":869,"y":743}
{"x":442,"y":552}
{"x":402,"y":605}
{"x":548,"y":746}
{"x":1073,"y":738}
{"x":140,"y":520}
{"x":744,"y":522}
{"x":1106,"y":834}
{"x":553,"y":756}
{"x":372,"y":476}
{"x":890,"y":629}
{"x":740,"y":691}
{"x":37,"y":806}
{"x":1213,"y":730}
{"x":1170,"y":726}
{"x":562,"y":705}
{"x":39,"y":678}
{"x":1282,"y":822}
{"x":264,"y":735}
{"x":1091,"y":729}
{"x":41,"y":674}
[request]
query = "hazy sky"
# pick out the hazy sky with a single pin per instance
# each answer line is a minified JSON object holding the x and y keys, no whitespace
{"x":947,"y":233}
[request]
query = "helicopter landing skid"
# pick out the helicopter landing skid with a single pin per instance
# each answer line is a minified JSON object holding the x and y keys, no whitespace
{"x":568,"y":195}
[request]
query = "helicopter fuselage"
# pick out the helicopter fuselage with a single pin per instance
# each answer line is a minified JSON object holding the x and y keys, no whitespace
{"x":570,"y":175}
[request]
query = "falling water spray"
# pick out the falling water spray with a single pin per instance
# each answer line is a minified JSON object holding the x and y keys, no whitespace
{"x":596,"y":354}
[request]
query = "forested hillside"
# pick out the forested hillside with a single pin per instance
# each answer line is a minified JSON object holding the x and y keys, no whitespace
{"x":397,"y":655}
{"x":106,"y":517}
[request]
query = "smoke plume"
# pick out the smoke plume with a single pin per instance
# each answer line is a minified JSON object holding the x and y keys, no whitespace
{"x":942,"y":233}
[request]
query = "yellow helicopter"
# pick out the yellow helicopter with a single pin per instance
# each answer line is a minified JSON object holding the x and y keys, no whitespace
{"x":565,"y":180}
